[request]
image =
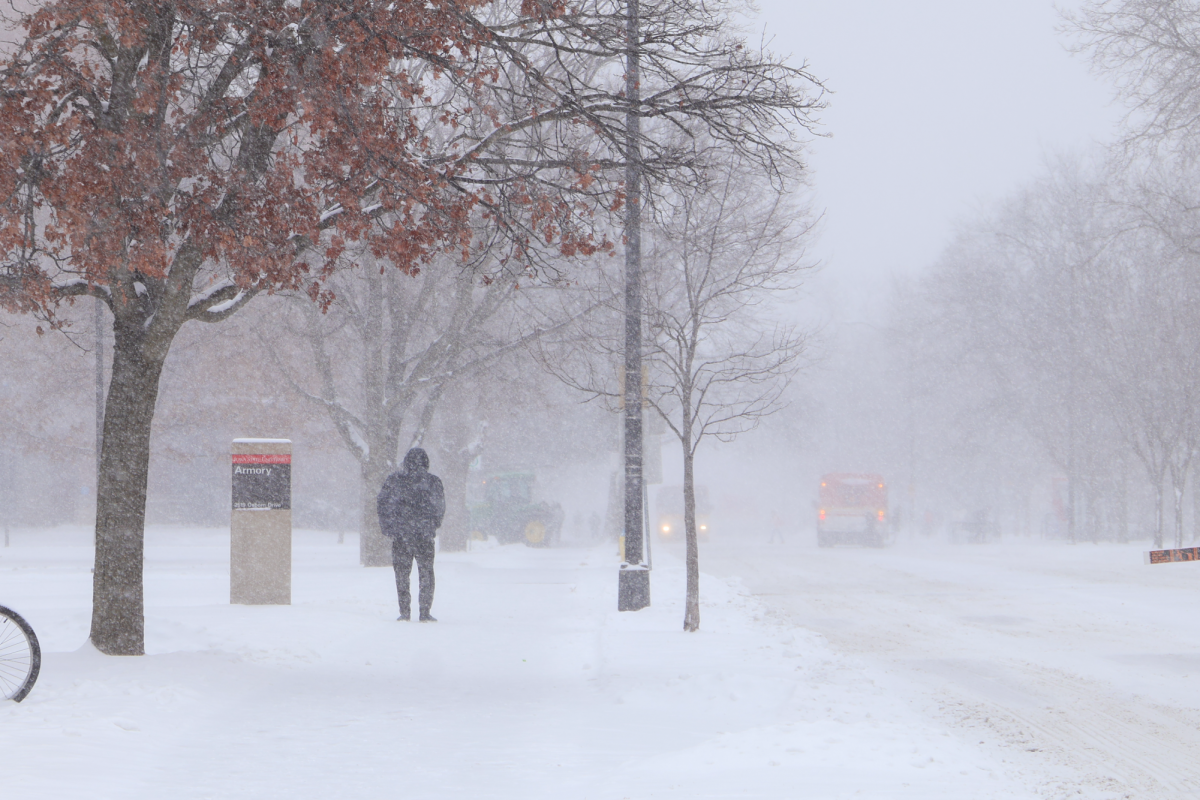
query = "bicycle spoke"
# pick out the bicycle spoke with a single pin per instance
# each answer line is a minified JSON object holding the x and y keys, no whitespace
{"x":20,"y":656}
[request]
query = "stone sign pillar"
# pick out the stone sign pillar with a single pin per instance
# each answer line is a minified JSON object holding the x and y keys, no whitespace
{"x":260,"y":535}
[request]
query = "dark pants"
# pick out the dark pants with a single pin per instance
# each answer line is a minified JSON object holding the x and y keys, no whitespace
{"x":403,"y":552}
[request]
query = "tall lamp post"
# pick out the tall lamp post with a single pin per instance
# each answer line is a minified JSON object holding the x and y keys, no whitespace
{"x":633,"y":583}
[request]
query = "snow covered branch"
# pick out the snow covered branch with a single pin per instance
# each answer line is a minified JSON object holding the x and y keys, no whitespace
{"x":219,"y":303}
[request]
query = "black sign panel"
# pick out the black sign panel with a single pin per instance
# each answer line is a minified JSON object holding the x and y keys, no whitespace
{"x":262,"y":481}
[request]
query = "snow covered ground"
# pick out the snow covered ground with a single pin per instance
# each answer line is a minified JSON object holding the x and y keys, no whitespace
{"x":1076,"y":667}
{"x":530,"y":686}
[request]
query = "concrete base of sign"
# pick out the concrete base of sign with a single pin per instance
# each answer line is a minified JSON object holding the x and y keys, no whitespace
{"x":260,"y":558}
{"x":260,"y":541}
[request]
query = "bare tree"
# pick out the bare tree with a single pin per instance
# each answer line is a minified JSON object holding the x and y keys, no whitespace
{"x":1149,"y":307}
{"x":1144,"y":371}
{"x":1072,"y":309}
{"x":382,"y":359}
{"x":716,"y":362}
{"x":1049,"y":241}
{"x":1148,"y":48}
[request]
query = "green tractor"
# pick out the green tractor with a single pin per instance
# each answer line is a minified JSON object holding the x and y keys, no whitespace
{"x":507,"y":511}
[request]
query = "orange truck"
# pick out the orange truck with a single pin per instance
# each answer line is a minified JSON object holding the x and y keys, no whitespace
{"x":852,"y":509}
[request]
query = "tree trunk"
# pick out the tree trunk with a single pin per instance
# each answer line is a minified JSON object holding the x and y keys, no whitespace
{"x":457,"y":448}
{"x":1178,"y":513}
{"x":453,"y":535}
{"x":1122,"y":506}
{"x":1195,"y":506}
{"x":691,"y":614}
{"x":1091,"y":511}
{"x":118,"y":624}
{"x":374,"y":549}
{"x":1071,"y":497}
{"x":1158,"y":512}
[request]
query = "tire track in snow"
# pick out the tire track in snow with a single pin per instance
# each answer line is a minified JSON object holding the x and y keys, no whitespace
{"x":1137,"y":747}
{"x":997,"y":650}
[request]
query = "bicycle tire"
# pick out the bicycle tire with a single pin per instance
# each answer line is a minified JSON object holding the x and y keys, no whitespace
{"x":20,"y":656}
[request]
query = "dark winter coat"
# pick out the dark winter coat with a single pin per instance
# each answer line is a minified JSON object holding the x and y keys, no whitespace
{"x":412,"y":501}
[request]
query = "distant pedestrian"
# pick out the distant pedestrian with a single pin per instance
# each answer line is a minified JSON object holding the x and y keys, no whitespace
{"x":411,"y":506}
{"x":776,"y":528}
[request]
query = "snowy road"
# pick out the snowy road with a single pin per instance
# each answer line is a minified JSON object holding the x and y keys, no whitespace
{"x":1077,"y":667}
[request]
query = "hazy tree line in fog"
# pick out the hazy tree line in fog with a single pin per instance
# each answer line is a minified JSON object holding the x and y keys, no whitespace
{"x":1044,"y":376}
{"x":231,"y":381}
{"x":1068,"y":318}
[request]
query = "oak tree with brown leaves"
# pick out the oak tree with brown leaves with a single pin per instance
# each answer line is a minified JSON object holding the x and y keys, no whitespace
{"x":173,"y":159}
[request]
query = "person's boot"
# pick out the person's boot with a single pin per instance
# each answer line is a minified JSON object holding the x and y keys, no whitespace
{"x":427,"y":617}
{"x":404,"y":618}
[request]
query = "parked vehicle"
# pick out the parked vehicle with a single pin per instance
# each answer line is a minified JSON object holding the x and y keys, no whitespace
{"x":507,"y":511}
{"x":852,"y":508}
{"x":980,"y":527}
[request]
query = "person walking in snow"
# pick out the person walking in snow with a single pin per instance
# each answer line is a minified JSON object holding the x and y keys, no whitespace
{"x":411,"y":505}
{"x":776,"y":528}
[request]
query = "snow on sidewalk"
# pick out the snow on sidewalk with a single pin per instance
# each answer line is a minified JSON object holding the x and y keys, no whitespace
{"x":532,"y":685}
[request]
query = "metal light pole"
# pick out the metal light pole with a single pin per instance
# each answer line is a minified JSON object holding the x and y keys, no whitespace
{"x":633,"y":583}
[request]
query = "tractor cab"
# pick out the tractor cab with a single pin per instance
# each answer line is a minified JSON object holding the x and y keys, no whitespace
{"x":503,"y":507}
{"x":509,"y":487}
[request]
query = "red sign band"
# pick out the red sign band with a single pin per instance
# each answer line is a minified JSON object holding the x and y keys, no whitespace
{"x":274,"y":458}
{"x":1170,"y":556}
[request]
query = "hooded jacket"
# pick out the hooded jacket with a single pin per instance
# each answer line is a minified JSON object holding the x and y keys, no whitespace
{"x":412,"y":502}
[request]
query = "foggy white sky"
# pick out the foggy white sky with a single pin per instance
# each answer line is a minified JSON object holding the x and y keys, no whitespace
{"x":938,"y":106}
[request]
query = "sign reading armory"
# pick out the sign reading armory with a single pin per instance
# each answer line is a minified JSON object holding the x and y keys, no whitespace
{"x":262,"y":481}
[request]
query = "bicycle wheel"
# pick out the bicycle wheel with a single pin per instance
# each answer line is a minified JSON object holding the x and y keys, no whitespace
{"x":20,"y":656}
